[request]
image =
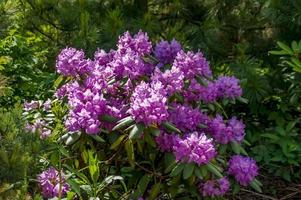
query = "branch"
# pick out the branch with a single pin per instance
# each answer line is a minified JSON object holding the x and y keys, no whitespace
{"x":258,"y":194}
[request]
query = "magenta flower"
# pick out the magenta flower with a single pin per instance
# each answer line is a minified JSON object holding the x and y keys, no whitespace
{"x":243,"y":168}
{"x":185,"y":117}
{"x":215,"y":188}
{"x":72,"y":62}
{"x":166,"y":52}
{"x":192,"y":64}
{"x":228,"y":87}
{"x":148,"y":103}
{"x":166,"y":141}
{"x":52,"y":184}
{"x":173,"y":79}
{"x":139,"y":43}
{"x":195,"y":148}
{"x":102,"y":58}
{"x":130,"y":64}
{"x":28,"y":106}
{"x":222,"y":132}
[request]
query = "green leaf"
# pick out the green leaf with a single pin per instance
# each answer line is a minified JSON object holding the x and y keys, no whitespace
{"x":198,"y":173}
{"x":204,"y":171}
{"x":98,"y":138}
{"x":296,"y":62}
{"x":177,"y":170}
{"x":154,"y":191}
{"x":236,"y":188}
{"x":171,"y":127}
{"x":108,"y":118}
{"x":74,"y":186}
{"x":202,"y":126}
{"x":136,"y":131}
{"x":108,"y":180}
{"x":63,"y":151}
{"x":70,"y":195}
{"x":87,"y":189}
{"x":280,"y":130}
{"x":130,"y":152}
{"x":213,"y":169}
{"x":188,"y":170}
{"x":211,"y":107}
{"x":285,"y":48}
{"x":123,"y":123}
{"x":72,"y":138}
{"x":154,"y":131}
{"x":243,"y":100}
{"x":149,"y":140}
{"x":77,"y":173}
{"x":142,"y":185}
{"x":255,"y":186}
{"x":235,"y":147}
{"x":117,"y":142}
{"x":281,"y":52}
{"x":58,"y":81}
{"x":271,"y":136}
{"x":169,"y":161}
{"x":295,"y":47}
{"x":258,"y":182}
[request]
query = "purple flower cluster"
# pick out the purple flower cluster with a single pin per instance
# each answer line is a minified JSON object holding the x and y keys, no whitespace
{"x":87,"y":105}
{"x":186,"y":118}
{"x":173,"y":79}
{"x":52,"y":183}
{"x":215,"y":188}
{"x":129,"y":64}
{"x":166,"y":141}
{"x":166,"y":52}
{"x":139,"y":43}
{"x":222,"y":88}
{"x":192,"y":64}
{"x":192,"y":148}
{"x":121,"y":82}
{"x":28,"y":106}
{"x":228,"y":87}
{"x":148,"y":103}
{"x":72,"y":62}
{"x":195,"y":148}
{"x":38,"y":125}
{"x":243,"y":168}
{"x":127,"y":81}
{"x":233,"y":130}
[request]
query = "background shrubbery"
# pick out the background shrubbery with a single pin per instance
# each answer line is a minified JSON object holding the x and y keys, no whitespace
{"x":238,"y":37}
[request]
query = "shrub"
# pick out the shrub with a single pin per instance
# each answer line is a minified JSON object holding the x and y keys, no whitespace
{"x":153,"y":122}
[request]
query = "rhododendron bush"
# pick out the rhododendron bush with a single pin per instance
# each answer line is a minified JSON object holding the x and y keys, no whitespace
{"x":141,"y":121}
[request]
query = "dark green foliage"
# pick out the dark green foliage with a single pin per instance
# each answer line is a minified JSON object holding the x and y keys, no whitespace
{"x":19,"y":154}
{"x":235,"y":35}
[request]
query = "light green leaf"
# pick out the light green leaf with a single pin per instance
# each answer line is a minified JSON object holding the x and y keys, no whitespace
{"x":98,"y":138}
{"x":285,"y":48}
{"x":149,"y":139}
{"x":136,"y":131}
{"x":130,"y":152}
{"x":188,"y":170}
{"x":198,"y":173}
{"x":255,"y":186}
{"x":177,"y":170}
{"x":155,"y":191}
{"x":123,"y":123}
{"x":74,"y":186}
{"x":213,"y":169}
{"x":171,"y":127}
{"x":142,"y":185}
{"x":117,"y":142}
